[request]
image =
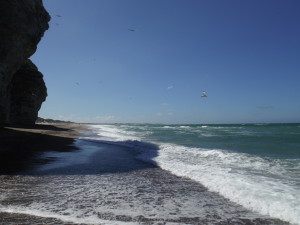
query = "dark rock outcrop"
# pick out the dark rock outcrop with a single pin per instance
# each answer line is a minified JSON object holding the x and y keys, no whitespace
{"x":28,"y":92}
{"x":22,"y":25}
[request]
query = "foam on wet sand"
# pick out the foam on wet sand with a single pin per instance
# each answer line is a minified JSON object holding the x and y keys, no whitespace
{"x":107,"y":185}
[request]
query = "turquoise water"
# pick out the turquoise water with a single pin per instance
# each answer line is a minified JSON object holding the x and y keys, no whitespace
{"x":272,"y":140}
{"x":254,"y":165}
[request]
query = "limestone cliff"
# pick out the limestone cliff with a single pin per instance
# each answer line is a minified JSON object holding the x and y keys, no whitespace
{"x":22,"y":25}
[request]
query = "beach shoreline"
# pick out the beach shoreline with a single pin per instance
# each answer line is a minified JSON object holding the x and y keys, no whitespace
{"x":131,"y":191}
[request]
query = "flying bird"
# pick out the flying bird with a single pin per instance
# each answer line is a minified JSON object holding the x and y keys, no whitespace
{"x":203,"y":95}
{"x":58,"y":15}
{"x":130,"y":29}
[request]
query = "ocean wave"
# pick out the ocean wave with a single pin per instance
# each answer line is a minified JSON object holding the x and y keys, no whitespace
{"x":168,"y":127}
{"x":265,"y":185}
{"x":185,"y":127}
{"x":111,"y":132}
{"x":255,"y":183}
{"x":208,"y":135}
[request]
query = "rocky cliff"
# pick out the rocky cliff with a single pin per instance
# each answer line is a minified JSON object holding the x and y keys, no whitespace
{"x":28,"y":91}
{"x":22,"y":89}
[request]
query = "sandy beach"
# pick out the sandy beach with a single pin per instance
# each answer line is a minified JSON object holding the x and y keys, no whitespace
{"x":111,"y":185}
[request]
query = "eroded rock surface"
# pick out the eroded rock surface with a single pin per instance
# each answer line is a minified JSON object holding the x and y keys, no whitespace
{"x":28,"y":92}
{"x":22,"y":25}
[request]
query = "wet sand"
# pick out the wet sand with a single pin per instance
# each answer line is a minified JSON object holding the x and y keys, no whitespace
{"x":130,"y":191}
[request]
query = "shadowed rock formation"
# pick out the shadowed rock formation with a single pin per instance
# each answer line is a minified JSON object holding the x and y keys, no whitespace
{"x":28,"y":92}
{"x":22,"y":25}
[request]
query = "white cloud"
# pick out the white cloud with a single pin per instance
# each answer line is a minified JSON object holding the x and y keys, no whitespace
{"x":170,"y":87}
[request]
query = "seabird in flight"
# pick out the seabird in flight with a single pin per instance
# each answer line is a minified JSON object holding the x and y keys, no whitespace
{"x":203,"y":95}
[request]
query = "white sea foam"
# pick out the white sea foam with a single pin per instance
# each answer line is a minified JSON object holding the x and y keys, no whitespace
{"x":110,"y":132}
{"x":37,"y":210}
{"x":185,"y":127}
{"x":252,"y":182}
{"x":259,"y":184}
{"x":208,"y":135}
{"x":169,"y":127}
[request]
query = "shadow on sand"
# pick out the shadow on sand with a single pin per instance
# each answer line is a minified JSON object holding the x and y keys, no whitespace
{"x":20,"y":150}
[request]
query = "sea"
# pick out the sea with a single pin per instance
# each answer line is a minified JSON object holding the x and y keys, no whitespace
{"x":256,"y":166}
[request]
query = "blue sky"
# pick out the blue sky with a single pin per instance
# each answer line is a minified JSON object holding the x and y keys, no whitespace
{"x":244,"y":54}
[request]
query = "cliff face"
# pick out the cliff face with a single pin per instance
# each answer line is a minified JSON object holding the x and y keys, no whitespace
{"x":22,"y":25}
{"x":28,"y":92}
